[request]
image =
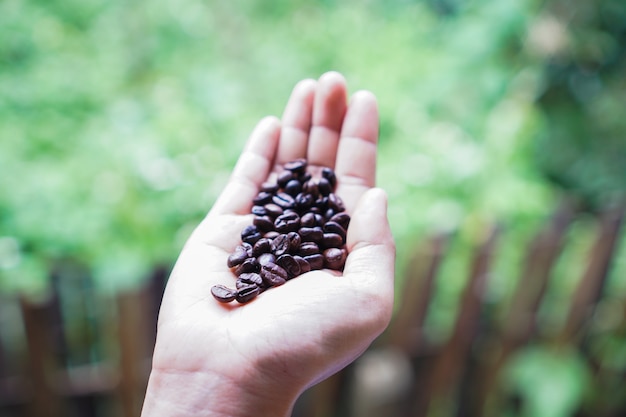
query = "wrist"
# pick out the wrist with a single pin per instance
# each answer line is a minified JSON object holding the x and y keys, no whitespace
{"x":199,"y":394}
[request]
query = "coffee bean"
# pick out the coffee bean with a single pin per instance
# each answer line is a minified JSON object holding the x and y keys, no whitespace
{"x":284,"y":200}
{"x":293,"y":187}
{"x":258,"y":211}
{"x":304,"y":201}
{"x":284,"y":177}
{"x":343,"y":219}
{"x":249,"y":265}
{"x":304,"y":178}
{"x":332,"y":227}
{"x":222,"y":293}
{"x":298,"y":166}
{"x":294,"y":241}
{"x":247,"y":293}
{"x":332,"y":240}
{"x":266,"y":258}
{"x":308,"y":248}
{"x":281,"y":245}
{"x":311,"y":234}
{"x":273,"y":210}
{"x":287,"y":222}
{"x":263,"y":245}
{"x":310,"y":188}
{"x":324,"y":186}
{"x":271,"y":235}
{"x":315,"y":261}
{"x":269,"y":187}
{"x":304,"y":265}
{"x":334,"y":258}
{"x":239,"y":255}
{"x":335,"y":202}
{"x":262,"y":198}
{"x":251,"y":278}
{"x":329,"y":174}
{"x":250,"y":234}
{"x":289,"y":264}
{"x":308,"y":220}
{"x":263,"y":223}
{"x":274,"y":275}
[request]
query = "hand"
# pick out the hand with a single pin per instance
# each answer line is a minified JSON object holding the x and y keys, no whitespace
{"x":214,"y":359}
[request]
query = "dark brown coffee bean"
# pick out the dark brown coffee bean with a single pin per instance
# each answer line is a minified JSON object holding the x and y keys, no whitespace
{"x":263,"y":245}
{"x":310,"y":187}
{"x":262,"y":198}
{"x":315,"y":261}
{"x":308,"y":220}
{"x":287,"y":222}
{"x":266,"y":258}
{"x":246,"y":294}
{"x":294,"y":241}
{"x":284,"y":177}
{"x":335,"y":202}
{"x":332,"y":227}
{"x":293,"y":187}
{"x":304,"y":201}
{"x":324,"y":186}
{"x":249,"y":265}
{"x":273,"y":210}
{"x":330,"y":175}
{"x":258,"y":211}
{"x":274,"y":275}
{"x":271,"y":235}
{"x":342,"y":218}
{"x":289,"y":264}
{"x":251,"y":278}
{"x":222,"y":293}
{"x":250,"y":234}
{"x":334,"y":258}
{"x":269,"y":187}
{"x":308,"y":248}
{"x":298,"y":166}
{"x":263,"y":223}
{"x":311,"y":234}
{"x":304,"y":265}
{"x":305,"y":177}
{"x":281,"y":245}
{"x":239,"y":255}
{"x":332,"y":240}
{"x":284,"y":200}
{"x":321,"y":203}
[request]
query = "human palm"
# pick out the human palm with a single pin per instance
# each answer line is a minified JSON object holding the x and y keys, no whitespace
{"x":294,"y":335}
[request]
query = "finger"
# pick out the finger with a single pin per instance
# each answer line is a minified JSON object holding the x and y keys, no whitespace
{"x":252,"y":168}
{"x":356,"y":154}
{"x":296,"y":122}
{"x":328,"y":112}
{"x":370,"y":245}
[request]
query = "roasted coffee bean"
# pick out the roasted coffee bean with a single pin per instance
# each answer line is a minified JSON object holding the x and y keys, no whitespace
{"x":298,"y":166}
{"x":324,"y":186}
{"x":289,"y":264}
{"x":262,"y":198}
{"x":266,"y":258}
{"x":250,"y":234}
{"x":284,"y":200}
{"x":335,"y":202}
{"x":329,"y":213}
{"x":263,"y":245}
{"x":251,"y":278}
{"x":274,"y":275}
{"x":304,"y":265}
{"x":308,"y":220}
{"x":308,"y":248}
{"x":343,"y":219}
{"x":249,"y":265}
{"x":329,"y":174}
{"x":294,"y":241}
{"x":332,"y":227}
{"x":304,"y":178}
{"x":271,"y":235}
{"x":284,"y":177}
{"x":311,"y":234}
{"x":287,"y":222}
{"x":281,"y":245}
{"x":334,"y":258}
{"x":310,"y":187}
{"x":332,"y":240}
{"x":247,"y":293}
{"x":258,"y":211}
{"x":239,"y":255}
{"x":304,"y":201}
{"x":273,"y":210}
{"x":222,"y":293}
{"x":269,"y":187}
{"x":293,"y":187}
{"x":263,"y":223}
{"x":315,"y":261}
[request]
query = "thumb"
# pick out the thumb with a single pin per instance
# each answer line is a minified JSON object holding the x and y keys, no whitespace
{"x":370,"y":245}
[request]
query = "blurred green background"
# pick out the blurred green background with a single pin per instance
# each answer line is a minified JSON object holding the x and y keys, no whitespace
{"x":120,"y":122}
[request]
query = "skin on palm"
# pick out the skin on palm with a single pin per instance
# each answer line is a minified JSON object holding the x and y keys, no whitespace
{"x":297,"y":334}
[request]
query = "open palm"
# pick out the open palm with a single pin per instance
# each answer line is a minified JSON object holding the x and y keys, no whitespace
{"x":291,"y":336}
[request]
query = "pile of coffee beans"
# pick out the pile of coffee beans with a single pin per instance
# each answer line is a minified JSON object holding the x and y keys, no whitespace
{"x":299,"y":225}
